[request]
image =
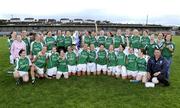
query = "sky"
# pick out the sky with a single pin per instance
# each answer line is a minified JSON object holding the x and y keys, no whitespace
{"x":165,"y":12}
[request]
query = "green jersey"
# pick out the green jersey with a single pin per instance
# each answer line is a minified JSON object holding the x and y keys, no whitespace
{"x":83,"y":57}
{"x":111,"y":59}
{"x":27,"y":42}
{"x":135,"y":42}
{"x":141,"y":64}
{"x":92,"y":57}
{"x":109,"y":41}
{"x":144,"y":41}
{"x":117,"y":41}
{"x":52,"y":60}
{"x":36,"y":47}
{"x":101,"y":57}
{"x":131,"y":62}
{"x":86,"y":40}
{"x":101,"y":40}
{"x":60,"y":41}
{"x":93,"y":41}
{"x":121,"y":59}
{"x":41,"y":60}
{"x":50,"y":42}
{"x":166,"y":52}
{"x":71,"y":58}
{"x":150,"y":49}
{"x":62,"y":65}
{"x":68,"y":41}
{"x":23,"y":64}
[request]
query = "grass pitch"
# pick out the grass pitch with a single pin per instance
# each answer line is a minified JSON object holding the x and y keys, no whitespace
{"x":87,"y":91}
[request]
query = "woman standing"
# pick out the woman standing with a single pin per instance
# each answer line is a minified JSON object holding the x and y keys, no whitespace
{"x":160,"y":40}
{"x":68,"y":40}
{"x":16,"y":46}
{"x":167,"y":51}
{"x":49,"y":41}
{"x":60,"y":41}
{"x":151,"y":47}
{"x":26,"y":41}
{"x":144,"y":39}
{"x":10,"y":41}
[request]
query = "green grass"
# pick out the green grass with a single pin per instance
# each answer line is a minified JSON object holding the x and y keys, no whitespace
{"x":87,"y":91}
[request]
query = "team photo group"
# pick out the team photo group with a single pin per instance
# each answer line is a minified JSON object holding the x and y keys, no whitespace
{"x":137,"y":56}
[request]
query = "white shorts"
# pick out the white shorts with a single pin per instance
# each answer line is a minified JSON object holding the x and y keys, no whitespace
{"x":91,"y":67}
{"x":51,"y":71}
{"x":72,"y":69}
{"x":39,"y":70}
{"x":22,"y":73}
{"x":101,"y":67}
{"x":63,"y":73}
{"x":121,"y":70}
{"x":142,"y":73}
{"x":82,"y":67}
{"x":111,"y":69}
{"x":132,"y":73}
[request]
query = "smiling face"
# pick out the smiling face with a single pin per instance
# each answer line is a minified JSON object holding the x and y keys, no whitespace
{"x":44,"y":49}
{"x":23,"y":54}
{"x":135,"y":32}
{"x":54,"y":49}
{"x":119,"y":32}
{"x":111,"y":48}
{"x":121,"y":49}
{"x":108,"y":34}
{"x":168,"y":38}
{"x":145,"y":33}
{"x":128,"y":32}
{"x":37,"y":38}
{"x":160,"y":36}
{"x":157,"y":53}
{"x":92,"y":47}
{"x":141,"y":52}
{"x":152,"y":38}
{"x":69,"y":49}
{"x":86,"y":33}
{"x":131,"y":51}
{"x":19,"y":38}
{"x":59,"y":33}
{"x":93,"y":34}
{"x":85,"y":47}
{"x":62,"y":54}
{"x":101,"y":33}
{"x":101,"y":48}
{"x":23,"y":34}
{"x":68,"y":33}
{"x":13,"y":35}
{"x":49,"y":34}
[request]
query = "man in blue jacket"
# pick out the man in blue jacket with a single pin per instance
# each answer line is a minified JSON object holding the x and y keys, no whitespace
{"x":157,"y":67}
